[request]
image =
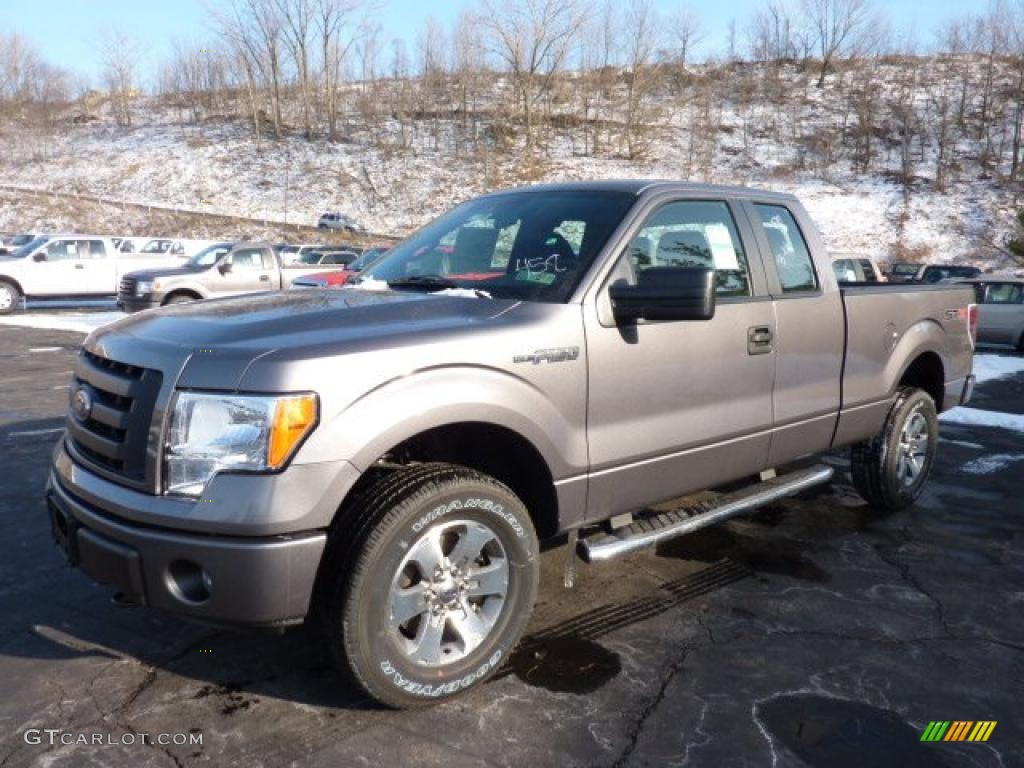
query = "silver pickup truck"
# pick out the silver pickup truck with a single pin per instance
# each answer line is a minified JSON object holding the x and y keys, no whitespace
{"x":220,"y":269}
{"x":539,"y":362}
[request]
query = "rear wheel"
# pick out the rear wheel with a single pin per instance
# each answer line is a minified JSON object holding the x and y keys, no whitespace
{"x":436,"y":587}
{"x":890,"y":470}
{"x":10,"y":298}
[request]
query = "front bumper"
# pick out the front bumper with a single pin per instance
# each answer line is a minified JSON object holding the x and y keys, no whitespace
{"x":224,"y":579}
{"x":134,"y":304}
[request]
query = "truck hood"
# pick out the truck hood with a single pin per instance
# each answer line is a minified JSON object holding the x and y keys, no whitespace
{"x":153,"y":274}
{"x":333,"y":321}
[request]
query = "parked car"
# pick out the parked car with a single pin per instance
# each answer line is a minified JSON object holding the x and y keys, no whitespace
{"x":67,"y":266}
{"x":223,"y":269}
{"x":338,"y":278}
{"x":340,"y":221}
{"x":856,"y":268}
{"x":937,"y":273}
{"x":290,"y":253}
{"x":903,"y":271}
{"x":12,"y":243}
{"x":341,"y":257}
{"x":400,"y":446}
{"x":1000,"y":310}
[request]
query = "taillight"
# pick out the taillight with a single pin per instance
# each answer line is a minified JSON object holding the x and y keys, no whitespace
{"x":972,"y":322}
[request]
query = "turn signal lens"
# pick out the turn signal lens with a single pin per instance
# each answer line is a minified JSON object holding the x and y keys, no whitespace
{"x":294,"y":418}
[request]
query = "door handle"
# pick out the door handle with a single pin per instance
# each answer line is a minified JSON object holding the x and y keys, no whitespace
{"x":265,"y":278}
{"x":79,"y":266}
{"x":759,"y":340}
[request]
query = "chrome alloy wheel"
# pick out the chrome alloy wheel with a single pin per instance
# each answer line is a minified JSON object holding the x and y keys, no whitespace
{"x":448,"y":592}
{"x":912,"y":451}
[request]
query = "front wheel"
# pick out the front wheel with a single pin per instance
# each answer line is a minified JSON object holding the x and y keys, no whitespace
{"x":436,"y":588}
{"x":890,"y":470}
{"x":10,"y":298}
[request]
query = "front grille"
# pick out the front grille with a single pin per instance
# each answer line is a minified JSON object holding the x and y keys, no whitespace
{"x":127,"y":288}
{"x":113,"y":435}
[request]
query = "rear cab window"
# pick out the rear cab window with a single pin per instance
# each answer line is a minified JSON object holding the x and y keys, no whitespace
{"x":1004,"y":293}
{"x":788,"y":248}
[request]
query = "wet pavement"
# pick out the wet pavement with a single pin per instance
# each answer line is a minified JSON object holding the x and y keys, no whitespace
{"x":813,"y":633}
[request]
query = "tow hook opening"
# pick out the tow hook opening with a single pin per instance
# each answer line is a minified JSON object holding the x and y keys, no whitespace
{"x":189,"y":582}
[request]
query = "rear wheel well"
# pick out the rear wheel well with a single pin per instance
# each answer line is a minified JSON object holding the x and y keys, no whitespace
{"x":496,"y":451}
{"x":926,"y":373}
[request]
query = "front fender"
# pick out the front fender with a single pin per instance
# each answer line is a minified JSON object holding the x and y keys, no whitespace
{"x":404,"y":407}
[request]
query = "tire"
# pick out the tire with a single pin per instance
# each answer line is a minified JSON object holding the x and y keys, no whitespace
{"x":10,"y":298}
{"x":890,"y":470}
{"x":179,"y":298}
{"x":411,"y":634}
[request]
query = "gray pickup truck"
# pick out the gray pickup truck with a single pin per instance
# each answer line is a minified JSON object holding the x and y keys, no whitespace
{"x":221,"y":269}
{"x":547,"y":361}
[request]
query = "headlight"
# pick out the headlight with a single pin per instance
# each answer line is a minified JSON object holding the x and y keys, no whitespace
{"x":143,"y":287}
{"x":253,"y":433}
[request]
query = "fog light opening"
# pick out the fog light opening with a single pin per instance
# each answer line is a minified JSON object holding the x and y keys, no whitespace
{"x":189,"y":582}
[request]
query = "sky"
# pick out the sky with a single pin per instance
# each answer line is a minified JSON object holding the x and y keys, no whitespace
{"x":67,"y":32}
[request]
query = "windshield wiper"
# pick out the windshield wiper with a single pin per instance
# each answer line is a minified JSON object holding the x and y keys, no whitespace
{"x":425,"y":282}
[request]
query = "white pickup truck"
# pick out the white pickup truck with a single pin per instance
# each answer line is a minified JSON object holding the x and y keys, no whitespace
{"x":72,"y":266}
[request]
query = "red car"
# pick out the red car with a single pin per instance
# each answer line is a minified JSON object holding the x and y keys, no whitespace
{"x":338,"y":278}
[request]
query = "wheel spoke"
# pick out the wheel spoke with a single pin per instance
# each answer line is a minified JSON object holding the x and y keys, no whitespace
{"x":470,"y":627}
{"x":489,"y":580}
{"x":427,"y":553}
{"x":407,"y":603}
{"x":471,"y":542}
{"x":427,"y":645}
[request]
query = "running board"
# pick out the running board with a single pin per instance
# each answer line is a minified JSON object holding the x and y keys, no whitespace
{"x":668,"y":525}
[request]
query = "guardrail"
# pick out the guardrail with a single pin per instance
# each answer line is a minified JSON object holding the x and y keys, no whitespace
{"x":149,"y":208}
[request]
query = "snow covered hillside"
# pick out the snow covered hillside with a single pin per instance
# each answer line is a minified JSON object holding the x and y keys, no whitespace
{"x":214,"y":165}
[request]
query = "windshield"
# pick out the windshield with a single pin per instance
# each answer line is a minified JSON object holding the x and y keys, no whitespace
{"x":369,"y":256}
{"x":208,"y":256}
{"x":312,"y":257}
{"x":530,"y":246}
{"x":29,"y":247}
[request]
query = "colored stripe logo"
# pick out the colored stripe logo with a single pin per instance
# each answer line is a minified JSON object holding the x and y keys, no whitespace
{"x":958,"y":730}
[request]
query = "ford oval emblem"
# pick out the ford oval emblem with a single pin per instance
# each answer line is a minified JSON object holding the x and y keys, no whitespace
{"x":81,"y":404}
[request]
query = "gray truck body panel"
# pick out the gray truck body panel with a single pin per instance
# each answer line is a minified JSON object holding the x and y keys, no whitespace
{"x":623,"y":417}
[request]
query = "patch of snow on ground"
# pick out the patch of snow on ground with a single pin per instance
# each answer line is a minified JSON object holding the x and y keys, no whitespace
{"x":80,"y":322}
{"x":976,"y":417}
{"x":988,"y":465}
{"x":989,"y":367}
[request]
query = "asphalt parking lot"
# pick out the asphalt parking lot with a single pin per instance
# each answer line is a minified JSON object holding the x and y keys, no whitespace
{"x":813,"y":633}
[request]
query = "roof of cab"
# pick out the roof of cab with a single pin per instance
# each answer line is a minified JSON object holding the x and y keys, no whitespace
{"x":643,"y":186}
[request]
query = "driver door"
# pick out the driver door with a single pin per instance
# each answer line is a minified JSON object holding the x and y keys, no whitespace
{"x":680,"y":406}
{"x":249,"y":273}
{"x":60,"y":268}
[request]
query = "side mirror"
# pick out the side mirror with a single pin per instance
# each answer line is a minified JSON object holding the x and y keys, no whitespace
{"x":39,"y":257}
{"x":665,"y":293}
{"x":225,"y":266}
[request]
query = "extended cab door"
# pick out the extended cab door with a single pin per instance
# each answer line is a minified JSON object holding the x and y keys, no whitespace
{"x":679,"y":406}
{"x":251,"y":270}
{"x":102,"y":271}
{"x":810,"y":331}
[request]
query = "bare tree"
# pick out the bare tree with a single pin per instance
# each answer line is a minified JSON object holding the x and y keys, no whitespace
{"x":297,"y":18}
{"x":839,"y":26}
{"x":120,"y":56}
{"x":643,"y":34}
{"x":686,"y":31}
{"x":532,"y":38}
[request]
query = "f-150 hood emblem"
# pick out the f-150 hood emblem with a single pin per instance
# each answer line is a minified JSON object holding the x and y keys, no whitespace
{"x":553,"y":355}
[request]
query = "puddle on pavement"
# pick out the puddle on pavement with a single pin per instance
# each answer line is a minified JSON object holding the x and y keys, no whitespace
{"x":565,"y":664}
{"x":832,"y":733}
{"x":781,"y":557}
